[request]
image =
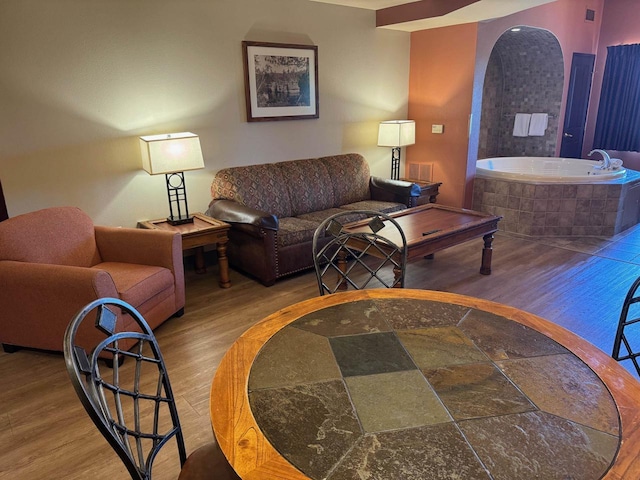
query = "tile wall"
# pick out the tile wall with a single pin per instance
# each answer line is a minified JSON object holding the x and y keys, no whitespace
{"x":525,"y":74}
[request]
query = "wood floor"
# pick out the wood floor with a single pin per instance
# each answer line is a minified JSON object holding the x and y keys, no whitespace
{"x":45,"y":434}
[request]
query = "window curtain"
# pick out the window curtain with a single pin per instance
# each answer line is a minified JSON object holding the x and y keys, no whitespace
{"x":618,"y":122}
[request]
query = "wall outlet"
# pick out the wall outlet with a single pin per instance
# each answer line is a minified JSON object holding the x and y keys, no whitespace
{"x":437,"y":128}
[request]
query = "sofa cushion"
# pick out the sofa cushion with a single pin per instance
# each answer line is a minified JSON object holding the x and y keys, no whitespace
{"x":309,"y":185}
{"x":262,"y":187}
{"x":136,"y":283}
{"x":295,"y":230}
{"x":376,"y":205}
{"x":349,"y":177}
{"x":319,"y":217}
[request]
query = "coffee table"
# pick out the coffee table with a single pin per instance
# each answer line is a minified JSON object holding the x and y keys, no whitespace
{"x":431,"y":228}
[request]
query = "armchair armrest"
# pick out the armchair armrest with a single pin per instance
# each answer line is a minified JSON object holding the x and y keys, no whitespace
{"x":43,"y":279}
{"x":32,"y":291}
{"x":233,"y":212}
{"x":144,"y":247}
{"x":394,"y":190}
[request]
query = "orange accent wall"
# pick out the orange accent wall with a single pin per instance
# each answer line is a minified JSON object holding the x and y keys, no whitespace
{"x":442,"y":63}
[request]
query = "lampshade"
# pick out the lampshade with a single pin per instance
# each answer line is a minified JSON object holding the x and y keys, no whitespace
{"x":397,"y":133}
{"x":169,"y":153}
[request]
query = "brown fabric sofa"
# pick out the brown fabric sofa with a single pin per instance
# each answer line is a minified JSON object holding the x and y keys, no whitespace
{"x":275,"y":208}
{"x":55,"y":261}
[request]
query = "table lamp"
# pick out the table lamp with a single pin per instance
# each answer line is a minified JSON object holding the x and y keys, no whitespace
{"x":173,"y":154}
{"x":396,"y":134}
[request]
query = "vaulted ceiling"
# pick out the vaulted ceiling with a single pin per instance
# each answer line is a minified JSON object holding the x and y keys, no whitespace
{"x":412,"y":15}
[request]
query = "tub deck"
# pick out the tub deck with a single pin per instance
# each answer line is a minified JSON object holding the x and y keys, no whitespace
{"x":547,"y":170}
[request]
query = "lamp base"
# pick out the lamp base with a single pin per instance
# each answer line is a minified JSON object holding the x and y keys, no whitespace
{"x":395,"y":163}
{"x":180,"y":220}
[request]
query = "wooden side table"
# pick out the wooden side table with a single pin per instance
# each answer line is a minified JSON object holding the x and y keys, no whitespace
{"x":428,"y":191}
{"x":203,"y":231}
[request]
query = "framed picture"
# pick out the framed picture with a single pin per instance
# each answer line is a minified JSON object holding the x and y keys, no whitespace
{"x":281,"y":81}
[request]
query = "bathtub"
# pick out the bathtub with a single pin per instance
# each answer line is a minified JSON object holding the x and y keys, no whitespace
{"x":541,"y":196}
{"x":545,"y":170}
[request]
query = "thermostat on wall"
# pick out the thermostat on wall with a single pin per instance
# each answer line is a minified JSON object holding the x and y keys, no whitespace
{"x":437,"y":128}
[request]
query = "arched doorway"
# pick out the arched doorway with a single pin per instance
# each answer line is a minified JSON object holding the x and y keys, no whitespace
{"x":525,"y":74}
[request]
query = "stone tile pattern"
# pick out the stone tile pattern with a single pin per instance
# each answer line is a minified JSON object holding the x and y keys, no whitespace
{"x":552,"y":209}
{"x":410,"y":389}
{"x":525,"y":74}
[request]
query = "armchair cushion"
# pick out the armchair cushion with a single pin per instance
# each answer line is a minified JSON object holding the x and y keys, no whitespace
{"x":59,"y":236}
{"x":138,"y":283}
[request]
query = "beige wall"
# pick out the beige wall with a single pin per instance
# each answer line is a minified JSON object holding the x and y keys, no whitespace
{"x":81,"y":80}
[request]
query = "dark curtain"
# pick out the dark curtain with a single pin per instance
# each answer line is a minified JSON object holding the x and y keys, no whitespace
{"x":618,"y":123}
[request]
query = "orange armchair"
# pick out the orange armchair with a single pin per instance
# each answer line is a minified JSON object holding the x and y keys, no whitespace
{"x":55,"y":261}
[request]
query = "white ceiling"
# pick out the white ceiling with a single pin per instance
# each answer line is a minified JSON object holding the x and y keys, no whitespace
{"x":476,"y":12}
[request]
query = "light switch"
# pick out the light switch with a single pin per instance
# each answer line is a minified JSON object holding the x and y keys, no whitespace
{"x":437,"y":128}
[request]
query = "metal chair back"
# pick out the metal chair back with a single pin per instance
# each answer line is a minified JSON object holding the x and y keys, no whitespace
{"x":626,"y":344}
{"x":131,"y":403}
{"x":369,"y":254}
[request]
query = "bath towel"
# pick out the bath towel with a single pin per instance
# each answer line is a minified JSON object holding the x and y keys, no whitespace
{"x":538,"y":125}
{"x":521,"y":124}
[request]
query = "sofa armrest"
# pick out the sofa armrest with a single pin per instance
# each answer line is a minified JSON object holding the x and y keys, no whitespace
{"x":394,"y":190}
{"x":236,"y":213}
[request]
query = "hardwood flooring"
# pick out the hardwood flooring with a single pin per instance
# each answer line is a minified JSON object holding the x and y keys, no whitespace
{"x":45,"y":434}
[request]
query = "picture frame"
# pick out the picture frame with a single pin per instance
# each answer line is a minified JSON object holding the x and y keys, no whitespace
{"x":281,"y":81}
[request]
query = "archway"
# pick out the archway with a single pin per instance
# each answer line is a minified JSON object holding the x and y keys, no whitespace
{"x":525,"y":74}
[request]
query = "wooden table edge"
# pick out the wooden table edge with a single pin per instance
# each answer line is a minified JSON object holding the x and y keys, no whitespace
{"x":253,"y":457}
{"x":214,"y":222}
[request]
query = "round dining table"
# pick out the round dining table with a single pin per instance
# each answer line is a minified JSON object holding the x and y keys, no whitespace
{"x":415,"y":384}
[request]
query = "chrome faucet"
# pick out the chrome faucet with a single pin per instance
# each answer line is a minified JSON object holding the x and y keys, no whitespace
{"x":606,"y":159}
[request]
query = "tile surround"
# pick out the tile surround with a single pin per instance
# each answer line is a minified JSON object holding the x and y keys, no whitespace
{"x":595,"y":209}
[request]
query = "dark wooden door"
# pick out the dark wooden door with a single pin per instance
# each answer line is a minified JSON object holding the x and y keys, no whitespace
{"x":575,"y":116}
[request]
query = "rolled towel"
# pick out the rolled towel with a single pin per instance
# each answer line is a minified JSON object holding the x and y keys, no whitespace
{"x":538,"y":125}
{"x":616,"y":163}
{"x":521,"y":125}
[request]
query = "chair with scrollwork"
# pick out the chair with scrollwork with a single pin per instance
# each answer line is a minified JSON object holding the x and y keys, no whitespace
{"x":626,"y":344}
{"x":132,"y":403}
{"x":368,"y":253}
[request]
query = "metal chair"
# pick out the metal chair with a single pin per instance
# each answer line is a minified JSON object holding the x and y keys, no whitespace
{"x":132,"y":403}
{"x":358,"y":255}
{"x":629,"y":316}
